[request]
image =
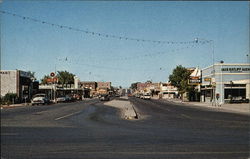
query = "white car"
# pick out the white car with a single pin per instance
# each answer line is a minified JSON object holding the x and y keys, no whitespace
{"x":39,"y":99}
{"x":147,"y":96}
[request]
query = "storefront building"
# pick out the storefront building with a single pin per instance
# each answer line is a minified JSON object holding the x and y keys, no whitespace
{"x":168,"y":91}
{"x":225,"y":83}
{"x":18,"y":82}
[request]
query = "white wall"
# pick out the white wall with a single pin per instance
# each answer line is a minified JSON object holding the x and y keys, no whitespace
{"x":8,"y":82}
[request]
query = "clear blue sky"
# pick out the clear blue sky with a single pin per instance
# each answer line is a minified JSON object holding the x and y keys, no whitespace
{"x":37,"y":47}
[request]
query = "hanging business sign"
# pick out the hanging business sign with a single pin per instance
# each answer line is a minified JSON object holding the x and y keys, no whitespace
{"x":194,"y":80}
{"x":52,"y":74}
{"x":52,"y":80}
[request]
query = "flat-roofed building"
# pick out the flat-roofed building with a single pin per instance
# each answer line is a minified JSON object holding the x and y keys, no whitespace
{"x":18,"y":82}
{"x":225,"y":83}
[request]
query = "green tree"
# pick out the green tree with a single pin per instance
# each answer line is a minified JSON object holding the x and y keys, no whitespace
{"x":134,"y":85}
{"x":9,"y":98}
{"x":65,"y":78}
{"x":179,"y":78}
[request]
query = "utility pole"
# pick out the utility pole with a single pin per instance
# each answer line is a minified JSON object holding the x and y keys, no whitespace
{"x":211,"y":42}
{"x":248,"y":62}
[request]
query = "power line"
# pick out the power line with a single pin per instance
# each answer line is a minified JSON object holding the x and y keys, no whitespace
{"x":95,"y":33}
{"x":135,"y":56}
{"x":81,"y":62}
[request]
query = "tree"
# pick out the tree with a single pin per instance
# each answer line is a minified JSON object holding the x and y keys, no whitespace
{"x":179,"y":78}
{"x":134,"y":85}
{"x":9,"y":98}
{"x":32,"y":75}
{"x":64,"y":77}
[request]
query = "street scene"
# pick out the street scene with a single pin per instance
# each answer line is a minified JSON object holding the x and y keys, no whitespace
{"x":111,"y":79}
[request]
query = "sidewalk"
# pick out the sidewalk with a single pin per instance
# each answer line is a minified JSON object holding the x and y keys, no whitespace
{"x":237,"y":108}
{"x":15,"y":105}
{"x":242,"y":108}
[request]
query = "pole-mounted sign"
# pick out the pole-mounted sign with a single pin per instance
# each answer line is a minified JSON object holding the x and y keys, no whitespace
{"x":52,"y":74}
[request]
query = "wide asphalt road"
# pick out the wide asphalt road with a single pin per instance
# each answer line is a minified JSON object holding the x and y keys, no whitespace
{"x":91,"y":130}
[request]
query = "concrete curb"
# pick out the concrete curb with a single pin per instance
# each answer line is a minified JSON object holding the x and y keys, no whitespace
{"x":127,"y":109}
{"x":15,"y":105}
{"x":136,"y":114}
{"x":212,"y":107}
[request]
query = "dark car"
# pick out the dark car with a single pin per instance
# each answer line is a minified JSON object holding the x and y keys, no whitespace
{"x":104,"y":97}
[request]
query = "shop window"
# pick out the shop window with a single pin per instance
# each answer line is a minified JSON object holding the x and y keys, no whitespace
{"x":235,"y":93}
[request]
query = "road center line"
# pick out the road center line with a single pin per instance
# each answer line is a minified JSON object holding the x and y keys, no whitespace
{"x":186,"y":116}
{"x":65,"y":116}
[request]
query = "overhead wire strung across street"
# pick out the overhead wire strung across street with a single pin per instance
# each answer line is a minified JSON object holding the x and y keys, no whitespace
{"x":190,"y":44}
{"x":96,"y":33}
{"x":81,"y":62}
{"x":134,"y":57}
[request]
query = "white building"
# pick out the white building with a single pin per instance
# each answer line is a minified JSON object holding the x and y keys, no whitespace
{"x":168,"y":91}
{"x":225,"y":83}
{"x":18,"y":82}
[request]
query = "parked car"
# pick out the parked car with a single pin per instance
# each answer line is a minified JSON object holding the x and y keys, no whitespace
{"x":147,"y":96}
{"x":69,"y":98}
{"x":61,"y":99}
{"x":40,"y":99}
{"x":104,"y":97}
{"x":137,"y":95}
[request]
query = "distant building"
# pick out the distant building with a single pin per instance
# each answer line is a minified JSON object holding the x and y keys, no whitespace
{"x":103,"y":87}
{"x":168,"y":91}
{"x":195,"y":81}
{"x":89,"y":84}
{"x":90,"y":88}
{"x":225,"y":83}
{"x":19,"y":82}
{"x":144,"y":87}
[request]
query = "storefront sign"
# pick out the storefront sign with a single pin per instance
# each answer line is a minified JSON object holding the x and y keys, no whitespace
{"x":207,"y":79}
{"x":235,"y":69}
{"x":194,"y":80}
{"x":4,"y":72}
{"x":25,"y":74}
{"x":50,"y":80}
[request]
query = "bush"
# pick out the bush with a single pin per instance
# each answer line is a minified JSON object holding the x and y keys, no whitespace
{"x":9,"y":98}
